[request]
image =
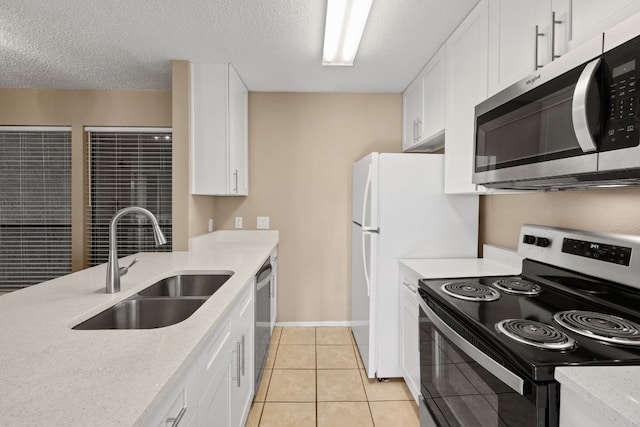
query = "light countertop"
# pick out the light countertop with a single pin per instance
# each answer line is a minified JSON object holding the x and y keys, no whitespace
{"x":53,"y":375}
{"x":496,"y":262}
{"x":612,"y":391}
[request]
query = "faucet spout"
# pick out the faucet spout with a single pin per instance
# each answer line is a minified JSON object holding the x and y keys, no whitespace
{"x":113,"y":269}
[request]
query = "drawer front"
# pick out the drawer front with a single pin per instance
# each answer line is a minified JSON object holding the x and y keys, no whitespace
{"x":180,"y":404}
{"x":214,"y":352}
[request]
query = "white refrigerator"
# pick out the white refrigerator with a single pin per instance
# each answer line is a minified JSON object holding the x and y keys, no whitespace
{"x":399,"y":210}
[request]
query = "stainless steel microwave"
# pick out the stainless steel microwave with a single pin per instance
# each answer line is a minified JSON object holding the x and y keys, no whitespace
{"x":572,"y":124}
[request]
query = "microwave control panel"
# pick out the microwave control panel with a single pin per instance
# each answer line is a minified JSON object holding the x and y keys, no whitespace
{"x":622,"y":77}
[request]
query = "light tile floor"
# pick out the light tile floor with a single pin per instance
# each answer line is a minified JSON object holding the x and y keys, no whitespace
{"x":314,"y":377}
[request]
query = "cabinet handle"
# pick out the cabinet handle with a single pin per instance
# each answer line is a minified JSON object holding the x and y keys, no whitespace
{"x":176,"y":420}
{"x":242,"y":359}
{"x":554,"y":22}
{"x":235,"y":181}
{"x":238,"y":360}
{"x":419,"y":130}
{"x":535,"y":50}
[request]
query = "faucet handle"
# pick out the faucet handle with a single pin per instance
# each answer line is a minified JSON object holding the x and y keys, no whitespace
{"x":125,"y":270}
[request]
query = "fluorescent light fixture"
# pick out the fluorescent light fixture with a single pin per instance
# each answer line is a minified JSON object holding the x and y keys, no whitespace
{"x":343,"y":30}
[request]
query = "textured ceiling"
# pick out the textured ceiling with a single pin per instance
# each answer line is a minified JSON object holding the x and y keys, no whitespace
{"x":276,"y":45}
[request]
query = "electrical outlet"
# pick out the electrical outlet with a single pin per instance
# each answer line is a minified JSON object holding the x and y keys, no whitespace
{"x":238,"y":222}
{"x":262,"y":223}
{"x":210,"y":225}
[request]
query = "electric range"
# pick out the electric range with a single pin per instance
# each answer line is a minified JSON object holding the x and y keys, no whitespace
{"x":489,"y":345}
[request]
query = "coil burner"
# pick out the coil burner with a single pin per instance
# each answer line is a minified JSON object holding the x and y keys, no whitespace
{"x":470,"y":291}
{"x":517,"y":286}
{"x":536,"y":334}
{"x":603,"y":327}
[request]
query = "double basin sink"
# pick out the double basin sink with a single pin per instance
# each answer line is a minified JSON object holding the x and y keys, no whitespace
{"x":166,"y":302}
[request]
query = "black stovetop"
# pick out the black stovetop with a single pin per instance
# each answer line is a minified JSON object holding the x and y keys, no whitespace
{"x":561,"y":290}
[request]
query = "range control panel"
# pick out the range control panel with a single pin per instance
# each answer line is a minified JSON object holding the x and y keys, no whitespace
{"x":601,"y":251}
{"x":605,"y":255}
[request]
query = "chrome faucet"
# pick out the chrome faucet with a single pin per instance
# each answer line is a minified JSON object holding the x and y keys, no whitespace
{"x":114,"y":271}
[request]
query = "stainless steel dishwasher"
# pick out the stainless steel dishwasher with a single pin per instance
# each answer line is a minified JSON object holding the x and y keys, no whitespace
{"x":264,"y":280}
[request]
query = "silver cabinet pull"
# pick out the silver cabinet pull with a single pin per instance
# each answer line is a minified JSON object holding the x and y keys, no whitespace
{"x":242,"y":358}
{"x":419,"y":130}
{"x":238,"y":360}
{"x":415,"y":123}
{"x":554,"y":22}
{"x":535,"y":50}
{"x":176,"y":420}
{"x":235,"y":181}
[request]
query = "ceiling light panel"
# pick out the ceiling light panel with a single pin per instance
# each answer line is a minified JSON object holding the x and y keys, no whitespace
{"x":343,"y":30}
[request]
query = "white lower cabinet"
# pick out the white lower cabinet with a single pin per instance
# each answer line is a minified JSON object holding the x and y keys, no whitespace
{"x":218,"y":388}
{"x":179,"y":406}
{"x":410,"y":358}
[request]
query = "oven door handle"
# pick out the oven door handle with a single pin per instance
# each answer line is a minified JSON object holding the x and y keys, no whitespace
{"x":502,"y":373}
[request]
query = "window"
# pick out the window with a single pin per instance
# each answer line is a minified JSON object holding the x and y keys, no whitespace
{"x":127,"y":167}
{"x":35,"y":204}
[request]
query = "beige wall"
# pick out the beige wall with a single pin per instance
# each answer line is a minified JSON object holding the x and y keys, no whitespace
{"x":301,"y":148}
{"x":79,"y":108}
{"x":612,"y":210}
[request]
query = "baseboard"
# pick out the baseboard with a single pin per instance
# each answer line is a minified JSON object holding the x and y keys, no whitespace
{"x":324,"y":323}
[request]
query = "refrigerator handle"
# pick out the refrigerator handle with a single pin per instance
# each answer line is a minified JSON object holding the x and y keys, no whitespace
{"x":367,"y":188}
{"x":364,"y":261}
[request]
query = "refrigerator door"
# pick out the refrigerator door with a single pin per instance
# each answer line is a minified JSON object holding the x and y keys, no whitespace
{"x":364,"y":200}
{"x":363,"y":274}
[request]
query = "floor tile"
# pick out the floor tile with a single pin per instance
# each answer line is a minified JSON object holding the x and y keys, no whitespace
{"x":261,"y":394}
{"x":333,"y":336}
{"x":271,"y":357}
{"x":344,"y":414}
{"x":296,"y":357}
{"x":358,"y":357}
{"x":253,"y":420}
{"x":292,"y":385}
{"x":342,"y":385}
{"x":288,"y":415}
{"x":395,"y":389}
{"x":394,"y":414}
{"x":275,"y":335}
{"x":298,"y":336}
{"x":336,"y":357}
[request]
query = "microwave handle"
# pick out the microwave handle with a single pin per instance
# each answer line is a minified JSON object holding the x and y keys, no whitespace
{"x":579,"y":107}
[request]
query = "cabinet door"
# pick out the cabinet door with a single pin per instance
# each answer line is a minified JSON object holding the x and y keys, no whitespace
{"x":433,"y":99}
{"x":238,"y":138}
{"x":209,"y":173}
{"x":411,"y":104}
{"x":512,"y":42}
{"x":243,"y":377}
{"x":591,"y":17}
{"x":179,"y":405}
{"x":466,"y":65}
{"x":214,"y":407}
{"x":409,"y":333}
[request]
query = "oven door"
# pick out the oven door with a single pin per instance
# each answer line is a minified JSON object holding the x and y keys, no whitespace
{"x":547,"y":125}
{"x":462,"y":386}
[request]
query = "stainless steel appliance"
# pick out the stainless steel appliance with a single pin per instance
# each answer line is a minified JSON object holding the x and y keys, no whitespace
{"x":264,"y":282}
{"x":571,"y":124}
{"x":489,"y":345}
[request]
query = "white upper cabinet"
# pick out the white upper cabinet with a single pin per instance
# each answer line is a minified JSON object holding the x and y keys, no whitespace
{"x":423,"y":107}
{"x":466,"y":86}
{"x":591,"y":17}
{"x":524,"y":35}
{"x":219,"y":131}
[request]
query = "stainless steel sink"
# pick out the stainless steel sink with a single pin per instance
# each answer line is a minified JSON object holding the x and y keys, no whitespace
{"x":186,"y":285}
{"x":166,"y":302}
{"x":143,"y":313}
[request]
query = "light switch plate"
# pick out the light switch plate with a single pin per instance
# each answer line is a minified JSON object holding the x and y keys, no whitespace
{"x":262,"y":223}
{"x":238,"y":222}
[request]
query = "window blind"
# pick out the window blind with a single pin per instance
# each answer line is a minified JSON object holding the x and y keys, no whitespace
{"x":35,"y":204}
{"x":128,"y":167}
